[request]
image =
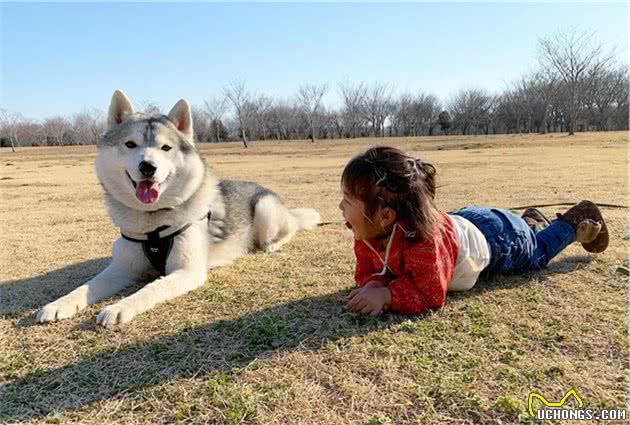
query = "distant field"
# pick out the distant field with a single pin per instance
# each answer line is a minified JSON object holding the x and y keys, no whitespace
{"x":267,"y":340}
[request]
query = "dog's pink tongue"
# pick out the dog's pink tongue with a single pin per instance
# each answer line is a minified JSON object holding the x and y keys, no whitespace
{"x":147,"y":191}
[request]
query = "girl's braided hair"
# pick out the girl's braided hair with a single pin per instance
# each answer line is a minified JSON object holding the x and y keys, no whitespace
{"x":386,"y":176}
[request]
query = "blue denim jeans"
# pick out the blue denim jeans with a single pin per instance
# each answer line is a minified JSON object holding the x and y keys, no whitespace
{"x":514,"y":246}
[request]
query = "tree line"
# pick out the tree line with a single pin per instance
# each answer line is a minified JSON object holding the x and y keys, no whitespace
{"x":578,"y":86}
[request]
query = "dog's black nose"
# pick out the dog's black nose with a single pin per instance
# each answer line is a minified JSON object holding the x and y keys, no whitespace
{"x":147,"y":169}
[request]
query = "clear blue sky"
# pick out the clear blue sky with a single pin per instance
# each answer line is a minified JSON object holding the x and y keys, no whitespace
{"x":58,"y":58}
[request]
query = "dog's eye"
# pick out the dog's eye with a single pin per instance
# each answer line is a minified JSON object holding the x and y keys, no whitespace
{"x":130,"y":144}
{"x":166,"y":148}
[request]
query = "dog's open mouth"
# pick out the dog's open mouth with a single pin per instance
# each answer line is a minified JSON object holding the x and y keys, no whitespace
{"x":147,"y":191}
{"x":133,"y":182}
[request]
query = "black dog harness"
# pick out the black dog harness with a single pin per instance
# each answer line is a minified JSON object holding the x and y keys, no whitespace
{"x":157,"y":244}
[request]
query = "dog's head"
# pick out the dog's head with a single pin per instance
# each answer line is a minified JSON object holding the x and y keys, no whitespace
{"x":148,"y":162}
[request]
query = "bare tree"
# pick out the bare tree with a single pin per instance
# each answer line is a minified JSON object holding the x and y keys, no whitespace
{"x":353,"y":96}
{"x":279,"y":127}
{"x":236,"y":93}
{"x":444,"y":120}
{"x":149,"y":107}
{"x":577,"y":59}
{"x":337,"y":125}
{"x":287,"y":120}
{"x":377,"y":106}
{"x":469,"y":109}
{"x":525,"y":91}
{"x":402,"y":115}
{"x":30,"y":132}
{"x":260,"y":111}
{"x":602,"y":97}
{"x":309,"y":97}
{"x":519,"y":108}
{"x":201,"y":124}
{"x":88,"y":125}
{"x":215,"y":109}
{"x":415,"y":115}
{"x":546,"y":88}
{"x":621,"y":116}
{"x":9,"y":122}
{"x":426,"y":109}
{"x":56,"y":129}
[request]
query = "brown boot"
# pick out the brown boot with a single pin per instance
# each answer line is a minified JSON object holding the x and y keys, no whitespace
{"x":535,"y":219}
{"x":589,"y":225}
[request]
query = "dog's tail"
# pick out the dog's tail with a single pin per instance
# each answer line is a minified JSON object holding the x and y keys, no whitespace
{"x":305,"y":218}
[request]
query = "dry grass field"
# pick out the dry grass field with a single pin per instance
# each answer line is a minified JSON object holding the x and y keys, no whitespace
{"x":267,"y":340}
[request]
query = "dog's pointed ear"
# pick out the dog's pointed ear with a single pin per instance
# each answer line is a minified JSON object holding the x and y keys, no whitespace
{"x":182,"y":118}
{"x":119,"y":109}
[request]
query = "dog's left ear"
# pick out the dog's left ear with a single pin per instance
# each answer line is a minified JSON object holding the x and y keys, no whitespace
{"x":120,"y":109}
{"x":182,"y":118}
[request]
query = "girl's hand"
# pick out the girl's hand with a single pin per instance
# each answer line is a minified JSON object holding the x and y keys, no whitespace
{"x":369,"y":300}
{"x":370,"y":284}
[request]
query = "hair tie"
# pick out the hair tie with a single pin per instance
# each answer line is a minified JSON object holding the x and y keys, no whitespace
{"x":416,"y":167}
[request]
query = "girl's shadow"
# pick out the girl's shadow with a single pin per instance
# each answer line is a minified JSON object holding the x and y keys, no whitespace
{"x":492,"y":282}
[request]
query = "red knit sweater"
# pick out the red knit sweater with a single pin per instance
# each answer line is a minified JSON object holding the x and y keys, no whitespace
{"x":418,"y":273}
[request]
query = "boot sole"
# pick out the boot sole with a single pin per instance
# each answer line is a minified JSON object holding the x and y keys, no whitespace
{"x":587,"y":231}
{"x":600,"y":243}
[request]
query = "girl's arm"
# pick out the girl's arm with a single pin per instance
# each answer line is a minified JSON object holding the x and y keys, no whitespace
{"x":424,"y":284}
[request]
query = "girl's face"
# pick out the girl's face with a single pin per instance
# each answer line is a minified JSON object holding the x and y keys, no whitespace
{"x":353,"y":211}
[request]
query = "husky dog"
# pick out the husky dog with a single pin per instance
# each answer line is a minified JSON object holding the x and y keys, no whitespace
{"x":176,"y":219}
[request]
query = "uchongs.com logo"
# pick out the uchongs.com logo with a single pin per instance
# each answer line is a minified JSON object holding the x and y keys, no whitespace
{"x":570,"y":407}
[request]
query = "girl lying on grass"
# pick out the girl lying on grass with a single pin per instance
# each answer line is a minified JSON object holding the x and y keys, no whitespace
{"x":409,"y":254}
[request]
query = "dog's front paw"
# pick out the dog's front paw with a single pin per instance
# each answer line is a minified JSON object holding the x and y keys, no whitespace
{"x":60,"y":309}
{"x":116,"y":314}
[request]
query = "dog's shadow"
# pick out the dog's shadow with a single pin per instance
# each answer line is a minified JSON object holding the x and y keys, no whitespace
{"x":223,"y":346}
{"x":21,"y":295}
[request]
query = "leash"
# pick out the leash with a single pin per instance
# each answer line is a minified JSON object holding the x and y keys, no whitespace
{"x":326,"y":223}
{"x":603,"y":205}
{"x":567,"y":203}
